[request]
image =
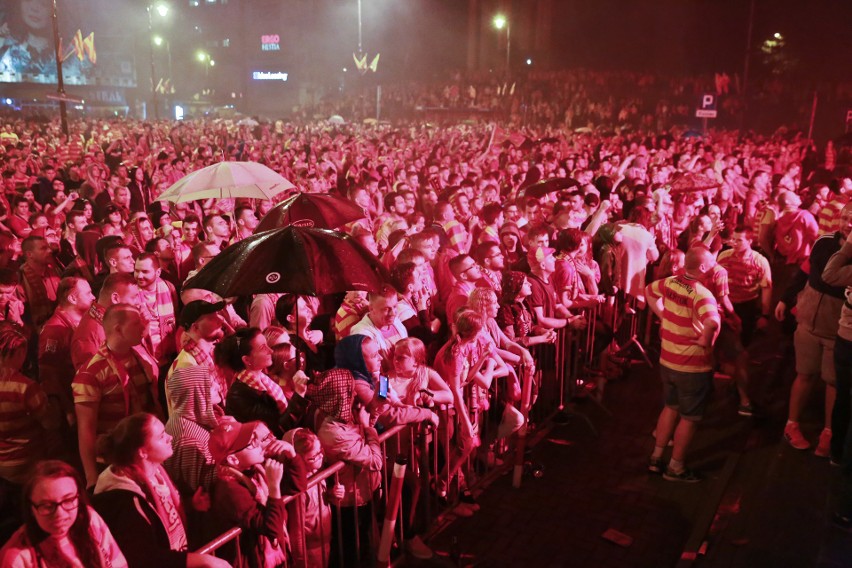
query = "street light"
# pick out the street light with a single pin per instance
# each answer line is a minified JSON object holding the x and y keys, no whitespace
{"x":204,"y":58}
{"x":162,"y":9}
{"x":500,"y":21}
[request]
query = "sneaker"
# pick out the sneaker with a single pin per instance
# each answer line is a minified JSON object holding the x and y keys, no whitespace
{"x":745,"y":410}
{"x":823,"y":449}
{"x":794,"y":437}
{"x":685,"y":476}
{"x":467,"y":498}
{"x":657,"y":466}
{"x":418,"y":549}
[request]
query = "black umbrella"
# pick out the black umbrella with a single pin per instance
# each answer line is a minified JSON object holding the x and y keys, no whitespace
{"x":300,"y":260}
{"x":542,"y":188}
{"x":311,"y":210}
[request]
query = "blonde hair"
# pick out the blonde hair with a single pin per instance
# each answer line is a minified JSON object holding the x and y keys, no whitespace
{"x":412,"y":346}
{"x":479,"y":298}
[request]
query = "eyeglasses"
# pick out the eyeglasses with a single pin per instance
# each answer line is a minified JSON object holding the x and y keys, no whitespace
{"x":469,"y":268}
{"x":253,"y":443}
{"x":48,"y":508}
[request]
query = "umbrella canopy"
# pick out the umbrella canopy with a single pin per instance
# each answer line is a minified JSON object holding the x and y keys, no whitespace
{"x":300,"y":260}
{"x":693,"y":182}
{"x":227,"y":179}
{"x":311,"y":210}
{"x":542,"y":188}
{"x":336,"y":119}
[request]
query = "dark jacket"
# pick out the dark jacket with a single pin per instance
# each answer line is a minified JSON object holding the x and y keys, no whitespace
{"x":137,"y":528}
{"x":247,"y":404}
{"x":233,"y":504}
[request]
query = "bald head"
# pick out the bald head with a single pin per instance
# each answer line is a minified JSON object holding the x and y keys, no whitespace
{"x":119,"y":315}
{"x":699,"y":260}
{"x":788,"y":200}
{"x":124,"y":327}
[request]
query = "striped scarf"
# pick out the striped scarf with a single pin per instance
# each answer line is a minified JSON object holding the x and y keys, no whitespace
{"x":260,"y":382}
{"x":38,"y":298}
{"x":164,"y":313}
{"x":202,"y":357}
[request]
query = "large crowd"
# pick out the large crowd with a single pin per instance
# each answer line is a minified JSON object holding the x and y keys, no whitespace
{"x":140,"y":417}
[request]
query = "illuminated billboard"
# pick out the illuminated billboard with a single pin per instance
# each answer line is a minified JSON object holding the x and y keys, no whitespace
{"x":95,"y":49}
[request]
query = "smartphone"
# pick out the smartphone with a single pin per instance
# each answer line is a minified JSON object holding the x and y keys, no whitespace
{"x":383,"y":387}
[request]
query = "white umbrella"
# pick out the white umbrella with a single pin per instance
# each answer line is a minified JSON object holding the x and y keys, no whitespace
{"x":336,"y":119}
{"x":248,"y":121}
{"x":227,"y":179}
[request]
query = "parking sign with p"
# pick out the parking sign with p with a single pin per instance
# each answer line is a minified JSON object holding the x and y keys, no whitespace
{"x":707,"y":107}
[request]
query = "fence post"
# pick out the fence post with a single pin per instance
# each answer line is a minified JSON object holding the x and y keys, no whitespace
{"x":392,"y":509}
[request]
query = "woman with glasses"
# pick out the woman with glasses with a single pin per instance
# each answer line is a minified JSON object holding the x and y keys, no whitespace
{"x":60,"y":528}
{"x":137,"y":499}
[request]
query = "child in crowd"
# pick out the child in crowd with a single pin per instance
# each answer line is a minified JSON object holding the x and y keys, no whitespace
{"x":247,"y":494}
{"x":317,"y":512}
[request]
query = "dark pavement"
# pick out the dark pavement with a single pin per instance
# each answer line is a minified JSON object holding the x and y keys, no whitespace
{"x":761,"y":504}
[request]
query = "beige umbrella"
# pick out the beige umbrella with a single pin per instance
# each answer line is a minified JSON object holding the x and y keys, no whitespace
{"x":225,"y":180}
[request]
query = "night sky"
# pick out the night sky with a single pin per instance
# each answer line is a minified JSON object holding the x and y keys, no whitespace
{"x":674,"y":36}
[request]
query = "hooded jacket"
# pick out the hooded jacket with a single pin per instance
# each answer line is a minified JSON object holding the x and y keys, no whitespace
{"x":134,"y":523}
{"x":387,"y":412}
{"x":345,"y":440}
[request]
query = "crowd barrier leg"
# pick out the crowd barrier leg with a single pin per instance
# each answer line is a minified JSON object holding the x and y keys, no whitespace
{"x":425,"y":474}
{"x":521,"y":438}
{"x":392,"y":509}
{"x":296,"y":529}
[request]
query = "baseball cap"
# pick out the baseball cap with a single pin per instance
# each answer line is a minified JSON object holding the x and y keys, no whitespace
{"x":194,"y":310}
{"x":536,"y":255}
{"x":229,"y":437}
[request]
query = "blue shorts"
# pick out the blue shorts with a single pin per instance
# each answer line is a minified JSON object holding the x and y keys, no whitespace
{"x":688,"y":393}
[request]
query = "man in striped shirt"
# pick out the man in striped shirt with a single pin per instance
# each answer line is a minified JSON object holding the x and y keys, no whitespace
{"x":118,"y":381}
{"x":690,"y":324}
{"x":749,"y":282}
{"x":828,"y":218}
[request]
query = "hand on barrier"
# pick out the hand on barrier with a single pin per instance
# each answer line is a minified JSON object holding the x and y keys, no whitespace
{"x":434,"y":419}
{"x":425,"y":398}
{"x":337,"y":492}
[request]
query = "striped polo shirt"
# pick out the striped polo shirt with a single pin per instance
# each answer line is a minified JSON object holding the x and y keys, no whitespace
{"x":828,"y":218}
{"x":22,"y":402}
{"x":747,"y":274}
{"x":687,"y":307}
{"x":119,"y":387}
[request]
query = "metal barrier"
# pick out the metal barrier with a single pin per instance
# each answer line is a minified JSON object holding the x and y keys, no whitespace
{"x":563,"y":370}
